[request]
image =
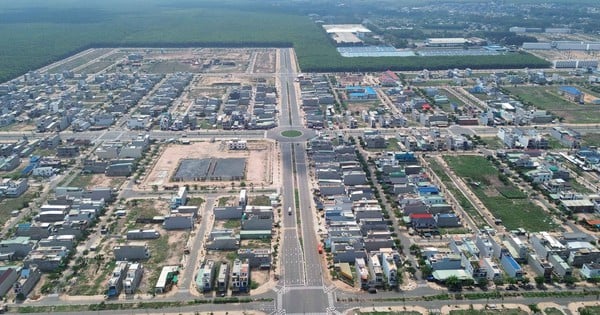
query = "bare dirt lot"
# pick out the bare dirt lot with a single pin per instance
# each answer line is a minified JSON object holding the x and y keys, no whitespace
{"x":588,"y":99}
{"x":224,"y":80}
{"x":93,"y":277}
{"x":361,"y":106}
{"x":259,"y":159}
{"x":350,"y":79}
{"x":563,"y":54}
{"x":101,"y":180}
{"x":265,"y":61}
{"x":192,"y":60}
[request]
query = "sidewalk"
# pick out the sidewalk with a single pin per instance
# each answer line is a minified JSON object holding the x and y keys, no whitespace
{"x":447,"y":308}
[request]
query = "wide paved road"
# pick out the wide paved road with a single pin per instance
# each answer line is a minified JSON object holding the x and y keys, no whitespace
{"x":301,"y":290}
{"x":293,"y":272}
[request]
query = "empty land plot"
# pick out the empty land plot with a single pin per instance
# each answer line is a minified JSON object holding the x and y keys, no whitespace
{"x":591,"y":139}
{"x":79,"y":61}
{"x":589,"y":310}
{"x":10,"y":204}
{"x":170,"y":66}
{"x":256,"y":163}
{"x":89,"y":181}
{"x":224,"y":81}
{"x":102,"y":63}
{"x":504,"y":200}
{"x":553,"y":311}
{"x":547,"y":98}
{"x":360,"y":106}
{"x":199,"y":90}
{"x":146,"y":209}
{"x":166,"y":250}
{"x":92,"y":277}
{"x":447,"y":106}
{"x":265,"y":61}
{"x":459,"y":195}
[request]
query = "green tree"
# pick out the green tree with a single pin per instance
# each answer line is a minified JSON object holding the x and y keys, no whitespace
{"x":482,"y":284}
{"x":510,"y":280}
{"x":539,"y":280}
{"x":426,"y":271}
{"x":499,"y":281}
{"x":415,"y":249}
{"x":585,"y":311}
{"x":534,"y":308}
{"x":453,"y":283}
{"x":569,"y":280}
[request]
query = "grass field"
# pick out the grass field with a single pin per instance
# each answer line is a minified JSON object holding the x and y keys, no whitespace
{"x":392,"y":144}
{"x":291,"y":133}
{"x":198,"y":202}
{"x":505,"y":201}
{"x":493,"y":143}
{"x":547,"y":97}
{"x":553,"y":143}
{"x":589,"y":310}
{"x":32,"y":35}
{"x":141,"y":208}
{"x":8,"y":205}
{"x":77,"y":62}
{"x":553,"y":311}
{"x":81,"y":180}
{"x":591,"y":139}
{"x":460,"y":197}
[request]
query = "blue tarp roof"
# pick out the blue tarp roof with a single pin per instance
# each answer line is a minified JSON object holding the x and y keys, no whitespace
{"x":513,"y":263}
{"x":428,"y":189}
{"x":570,"y":89}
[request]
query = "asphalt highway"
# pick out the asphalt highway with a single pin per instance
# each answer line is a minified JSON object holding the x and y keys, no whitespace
{"x":302,"y":290}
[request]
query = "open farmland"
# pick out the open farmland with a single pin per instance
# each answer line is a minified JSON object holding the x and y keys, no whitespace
{"x":504,"y":200}
{"x":547,"y":97}
{"x":32,"y":37}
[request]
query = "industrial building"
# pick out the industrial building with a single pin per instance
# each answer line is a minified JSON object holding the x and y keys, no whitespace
{"x":446,"y":42}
